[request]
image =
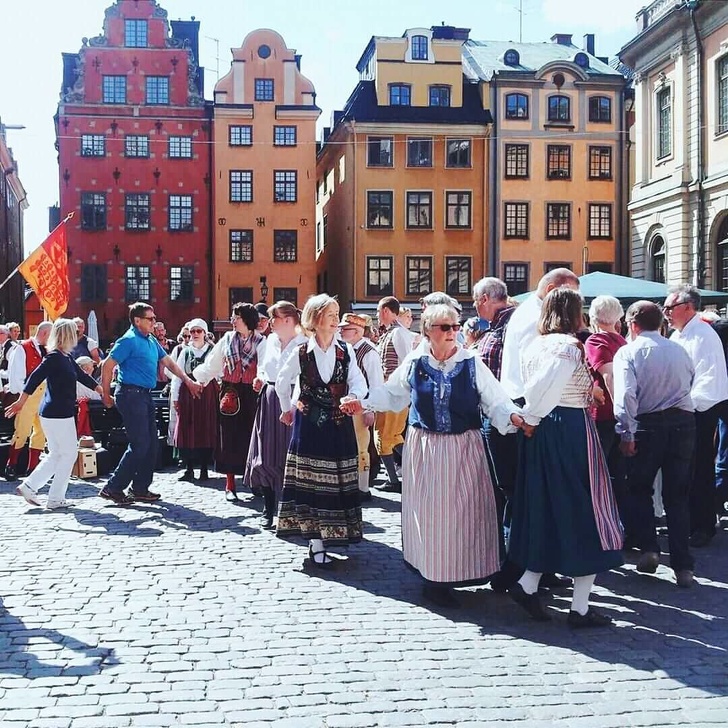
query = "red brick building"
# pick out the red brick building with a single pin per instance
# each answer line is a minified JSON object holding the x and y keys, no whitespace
{"x":134,"y":152}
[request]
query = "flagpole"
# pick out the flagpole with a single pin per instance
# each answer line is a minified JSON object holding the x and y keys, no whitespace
{"x":17,"y":268}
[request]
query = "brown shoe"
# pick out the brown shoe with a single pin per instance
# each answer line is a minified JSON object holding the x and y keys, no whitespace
{"x":648,"y":562}
{"x":684,"y":578}
{"x":147,"y":497}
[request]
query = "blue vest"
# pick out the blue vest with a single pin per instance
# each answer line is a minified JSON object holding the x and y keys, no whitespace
{"x":446,"y":403}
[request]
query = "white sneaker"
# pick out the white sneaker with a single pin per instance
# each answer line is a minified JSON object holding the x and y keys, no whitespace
{"x":28,"y":493}
{"x":55,"y":505}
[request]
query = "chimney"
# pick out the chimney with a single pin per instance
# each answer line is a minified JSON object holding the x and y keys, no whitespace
{"x":588,"y":46}
{"x":561,"y":39}
{"x":449,"y":32}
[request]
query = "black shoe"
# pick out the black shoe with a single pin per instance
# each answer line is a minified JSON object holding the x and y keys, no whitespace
{"x":10,"y":474}
{"x":592,"y":618}
{"x":121,"y":499}
{"x":266,"y":522}
{"x":442,"y":596}
{"x":530,"y":602}
{"x":188,"y":476}
{"x":327,"y":562}
{"x":147,"y":497}
{"x":365,"y":497}
{"x":700,"y":539}
{"x":390,"y":488}
{"x":552,"y":581}
{"x":204,"y":475}
{"x":231,"y":496}
{"x":500,"y":582}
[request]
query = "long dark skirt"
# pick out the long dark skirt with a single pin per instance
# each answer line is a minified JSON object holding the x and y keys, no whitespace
{"x":320,"y":496}
{"x":197,"y":425}
{"x":235,"y":430}
{"x":268,"y":444}
{"x":554,"y":519}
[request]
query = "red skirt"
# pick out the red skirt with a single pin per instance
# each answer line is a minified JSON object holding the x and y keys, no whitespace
{"x":197,"y":424}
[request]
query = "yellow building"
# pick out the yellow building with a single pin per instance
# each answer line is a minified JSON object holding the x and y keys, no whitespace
{"x":402,"y":175}
{"x":264,"y":177}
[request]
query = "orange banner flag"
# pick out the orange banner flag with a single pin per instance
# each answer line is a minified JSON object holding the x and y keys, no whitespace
{"x":46,"y":271}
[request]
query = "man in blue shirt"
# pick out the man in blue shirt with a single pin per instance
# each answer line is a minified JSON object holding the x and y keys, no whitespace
{"x":137,"y":354}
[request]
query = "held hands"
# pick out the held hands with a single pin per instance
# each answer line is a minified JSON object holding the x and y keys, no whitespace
{"x":13,"y":409}
{"x":521,"y":424}
{"x":194,"y":387}
{"x":598,"y":395}
{"x":628,"y":448}
{"x":176,"y":406}
{"x":257,"y":385}
{"x":108,"y":400}
{"x":287,"y":417}
{"x":350,"y":406}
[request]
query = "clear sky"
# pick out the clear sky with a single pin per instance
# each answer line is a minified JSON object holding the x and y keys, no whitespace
{"x":330,"y":36}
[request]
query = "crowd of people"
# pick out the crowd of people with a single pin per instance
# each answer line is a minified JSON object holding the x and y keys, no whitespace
{"x":526,"y":442}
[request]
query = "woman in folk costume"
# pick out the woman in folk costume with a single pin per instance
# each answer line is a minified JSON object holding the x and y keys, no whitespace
{"x":196,"y":423}
{"x":320,"y":499}
{"x":183,"y":339}
{"x":234,"y":360}
{"x":270,"y":439}
{"x":565,"y":517}
{"x":449,"y":524}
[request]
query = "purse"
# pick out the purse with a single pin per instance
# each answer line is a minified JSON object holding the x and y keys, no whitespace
{"x":229,"y":402}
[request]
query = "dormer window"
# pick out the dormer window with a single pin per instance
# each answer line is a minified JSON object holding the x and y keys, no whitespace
{"x":512,"y":58}
{"x":581,"y":60}
{"x":559,"y":109}
{"x":399,"y":94}
{"x":419,"y":47}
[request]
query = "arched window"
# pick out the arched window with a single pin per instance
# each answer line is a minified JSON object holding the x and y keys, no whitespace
{"x":658,"y":259}
{"x":559,"y":108}
{"x":721,"y":256}
{"x":516,"y":106}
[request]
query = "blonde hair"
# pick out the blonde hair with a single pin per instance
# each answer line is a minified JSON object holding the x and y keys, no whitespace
{"x":314,"y":310}
{"x":64,"y":335}
{"x":285,"y":309}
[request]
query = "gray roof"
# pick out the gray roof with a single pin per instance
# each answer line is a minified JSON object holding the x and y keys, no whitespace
{"x":483,"y":58}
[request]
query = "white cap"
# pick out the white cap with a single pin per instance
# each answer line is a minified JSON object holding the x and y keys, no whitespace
{"x":198,"y":323}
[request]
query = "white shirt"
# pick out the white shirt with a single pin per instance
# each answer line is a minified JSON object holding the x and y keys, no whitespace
{"x":394,"y":396}
{"x":176,"y":384}
{"x":212,"y":367}
{"x":520,"y":332}
{"x":704,"y":346}
{"x":372,"y":365}
{"x":16,"y":367}
{"x":325,"y":362}
{"x":83,"y":392}
{"x":275,"y":357}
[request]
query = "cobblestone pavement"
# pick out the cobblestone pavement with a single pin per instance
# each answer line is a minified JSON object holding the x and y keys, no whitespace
{"x":186,"y":613}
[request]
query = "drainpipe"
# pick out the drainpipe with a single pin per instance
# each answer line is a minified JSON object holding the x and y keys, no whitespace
{"x":494,"y":217}
{"x":210,"y":213}
{"x":692,"y":6}
{"x":622,"y":199}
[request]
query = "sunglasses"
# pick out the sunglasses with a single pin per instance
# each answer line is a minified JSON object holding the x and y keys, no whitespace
{"x":674,"y":305}
{"x":196,"y":331}
{"x":149,"y":318}
{"x":447,"y":327}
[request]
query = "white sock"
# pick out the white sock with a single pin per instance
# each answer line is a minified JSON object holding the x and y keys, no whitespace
{"x":529,"y":581}
{"x":319,"y":553}
{"x":582,"y":589}
{"x":364,"y":481}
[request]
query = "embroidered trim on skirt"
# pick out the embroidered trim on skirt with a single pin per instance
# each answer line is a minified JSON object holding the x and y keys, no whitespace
{"x":320,"y":496}
{"x":554,"y":527}
{"x":449,"y":521}
{"x":268,"y":444}
{"x":235,"y":431}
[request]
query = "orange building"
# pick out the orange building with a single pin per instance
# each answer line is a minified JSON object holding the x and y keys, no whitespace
{"x":402,"y":175}
{"x":264,"y":183}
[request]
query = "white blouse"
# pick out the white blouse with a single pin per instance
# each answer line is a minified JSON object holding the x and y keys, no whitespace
{"x":394,"y":396}
{"x":325,"y":362}
{"x":275,"y":356}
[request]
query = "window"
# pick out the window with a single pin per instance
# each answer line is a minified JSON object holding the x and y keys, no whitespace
{"x":516,"y":220}
{"x":379,"y":276}
{"x":458,"y":206}
{"x":419,"y":47}
{"x":458,"y":275}
{"x":722,"y":74}
{"x":284,"y":136}
{"x":285,"y":184}
{"x":240,"y":136}
{"x":264,"y":90}
{"x":516,"y":161}
{"x":512,"y":57}
{"x":458,"y":153}
{"x":419,"y":275}
{"x":658,"y":259}
{"x":559,"y":108}
{"x":419,"y":152}
{"x":137,"y":283}
{"x":135,"y":33}
{"x":114,"y":89}
{"x":285,"y":246}
{"x":93,"y":145}
{"x":180,"y":212}
{"x":326,"y":230}
{"x":93,"y":211}
{"x":439,"y":96}
{"x":180,"y":147}
{"x":136,"y":211}
{"x":240,"y":295}
{"x":379,"y":209}
{"x":600,"y":109}
{"x":181,"y":281}
{"x":286,"y":294}
{"x":548,"y":267}
{"x":136,"y":146}
{"x":379,"y":152}
{"x":93,"y":282}
{"x":157,"y":90}
{"x":558,"y":164}
{"x":241,"y":246}
{"x":600,"y":220}
{"x":598,"y":267}
{"x":664,"y":124}
{"x":241,"y":185}
{"x":419,"y":210}
{"x":600,"y":163}
{"x":515,"y":276}
{"x":399,"y":94}
{"x":558,"y":220}
{"x":516,"y":106}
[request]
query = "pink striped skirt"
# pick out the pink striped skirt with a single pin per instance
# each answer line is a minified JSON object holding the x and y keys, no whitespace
{"x":449,"y":522}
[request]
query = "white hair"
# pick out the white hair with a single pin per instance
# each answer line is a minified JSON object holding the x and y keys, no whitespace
{"x":436,"y":313}
{"x":494,"y":288}
{"x":605,"y":310}
{"x":314,"y":310}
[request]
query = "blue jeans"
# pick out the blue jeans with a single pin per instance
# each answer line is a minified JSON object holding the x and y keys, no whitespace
{"x":137,"y":410}
{"x":721,"y":462}
{"x":664,"y":440}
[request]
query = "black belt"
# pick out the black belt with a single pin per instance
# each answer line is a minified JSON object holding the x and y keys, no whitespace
{"x":135,"y":387}
{"x":665,"y":413}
